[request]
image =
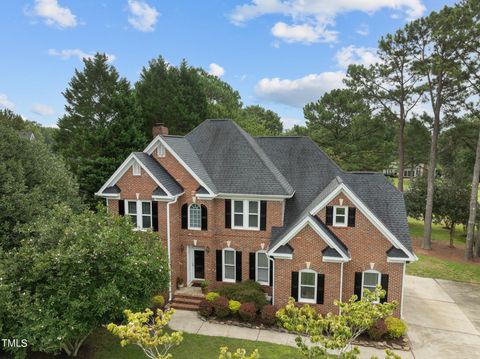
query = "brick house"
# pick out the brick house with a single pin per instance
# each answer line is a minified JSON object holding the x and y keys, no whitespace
{"x":231,"y":207}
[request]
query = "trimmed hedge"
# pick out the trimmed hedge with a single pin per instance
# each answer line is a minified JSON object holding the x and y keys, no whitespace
{"x":248,"y":312}
{"x":268,"y":314}
{"x":244,"y":292}
{"x":211,"y":296}
{"x":221,"y":307}
{"x":205,"y":308}
{"x":378,"y":330}
{"x":396,"y":328}
{"x":234,"y":306}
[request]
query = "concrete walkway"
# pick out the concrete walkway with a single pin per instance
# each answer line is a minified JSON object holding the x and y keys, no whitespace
{"x":438,"y":326}
{"x":189,"y":322}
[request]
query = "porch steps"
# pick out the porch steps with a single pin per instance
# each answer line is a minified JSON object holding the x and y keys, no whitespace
{"x":186,"y":302}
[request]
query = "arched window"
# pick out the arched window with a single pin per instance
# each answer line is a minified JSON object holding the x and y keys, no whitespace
{"x":194,"y":216}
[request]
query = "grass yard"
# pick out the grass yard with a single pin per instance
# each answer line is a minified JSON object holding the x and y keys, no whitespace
{"x":438,"y":232}
{"x":429,"y":266}
{"x":406,"y":182}
{"x":103,"y":345}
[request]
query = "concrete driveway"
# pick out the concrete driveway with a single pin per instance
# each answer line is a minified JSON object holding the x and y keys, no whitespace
{"x":443,"y":318}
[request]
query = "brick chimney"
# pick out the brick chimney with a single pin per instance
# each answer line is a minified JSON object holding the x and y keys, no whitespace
{"x":159,"y":129}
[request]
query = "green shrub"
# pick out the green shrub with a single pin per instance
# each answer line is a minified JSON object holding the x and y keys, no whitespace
{"x":158,"y":301}
{"x":378,"y":330}
{"x":396,"y":328}
{"x":211,"y":296}
{"x":248,"y":312}
{"x":267,"y":314}
{"x":205,"y":309}
{"x":245,"y":292}
{"x":221,"y":307}
{"x":234,"y":306}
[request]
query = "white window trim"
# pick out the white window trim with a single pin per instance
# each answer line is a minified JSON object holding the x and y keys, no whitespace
{"x":335,"y":216}
{"x":188,"y":218}
{"x":161,"y":150}
{"x":256,"y":268}
{"x":139,"y":214}
{"x":245,"y":215}
{"x":229,"y":280}
{"x":136,"y":169}
{"x":307,"y":300}
{"x":379,"y":281}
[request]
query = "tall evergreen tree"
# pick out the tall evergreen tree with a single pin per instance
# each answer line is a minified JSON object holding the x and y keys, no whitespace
{"x":268,"y":121}
{"x":101,"y":125}
{"x":417,"y":143}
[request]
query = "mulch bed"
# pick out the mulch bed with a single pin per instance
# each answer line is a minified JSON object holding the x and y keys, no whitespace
{"x":442,"y":250}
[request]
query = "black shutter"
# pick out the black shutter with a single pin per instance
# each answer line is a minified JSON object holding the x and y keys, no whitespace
{"x":320,"y":288}
{"x":228,"y":213}
{"x":204,"y":218}
{"x":263,"y":215}
{"x":155,"y":216}
{"x":219,"y":265}
{"x":351,"y":216}
{"x":238,"y":266}
{"x":358,"y":285}
{"x":384,"y":282}
{"x":270,"y":277}
{"x":294,"y":292}
{"x":185,"y":216}
{"x":121,"y":207}
{"x":251,"y":266}
{"x":329,"y":217}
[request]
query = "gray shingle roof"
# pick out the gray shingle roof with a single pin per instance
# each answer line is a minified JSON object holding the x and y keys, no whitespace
{"x":159,"y":192}
{"x":331,"y":252}
{"x":332,"y":236}
{"x":112,"y":190}
{"x":396,"y":253}
{"x":285,"y":249}
{"x":234,"y":160}
{"x":160,"y":173}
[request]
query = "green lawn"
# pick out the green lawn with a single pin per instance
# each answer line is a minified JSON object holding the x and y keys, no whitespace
{"x":102,"y":345}
{"x":438,"y":232}
{"x":406,"y":182}
{"x":428,"y":266}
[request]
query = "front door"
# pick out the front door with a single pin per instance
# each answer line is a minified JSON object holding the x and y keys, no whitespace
{"x":198,"y":264}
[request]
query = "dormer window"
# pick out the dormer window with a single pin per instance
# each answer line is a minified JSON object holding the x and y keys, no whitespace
{"x":161,"y":150}
{"x":340,"y":216}
{"x":136,"y":169}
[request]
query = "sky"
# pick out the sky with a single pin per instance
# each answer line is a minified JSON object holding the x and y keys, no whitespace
{"x":278,"y":54}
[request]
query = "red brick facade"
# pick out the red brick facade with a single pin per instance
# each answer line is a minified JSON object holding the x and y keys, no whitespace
{"x":367,"y":246}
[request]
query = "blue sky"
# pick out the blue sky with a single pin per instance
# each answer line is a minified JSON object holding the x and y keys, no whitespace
{"x":278,"y":54}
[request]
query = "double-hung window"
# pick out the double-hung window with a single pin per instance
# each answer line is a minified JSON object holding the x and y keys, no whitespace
{"x":229,"y":265}
{"x":340,"y":216}
{"x":194,"y":216}
{"x":262,"y":268}
{"x":141,"y":213}
{"x":246,"y":214}
{"x":308,"y":286}
{"x":370,"y":280}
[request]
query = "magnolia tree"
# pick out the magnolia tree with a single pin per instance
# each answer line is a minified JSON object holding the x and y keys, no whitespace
{"x":148,"y":332}
{"x":335,"y":333}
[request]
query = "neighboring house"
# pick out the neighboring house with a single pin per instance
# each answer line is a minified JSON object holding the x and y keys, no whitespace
{"x":232,"y":207}
{"x":29,"y":135}
{"x":410,"y":172}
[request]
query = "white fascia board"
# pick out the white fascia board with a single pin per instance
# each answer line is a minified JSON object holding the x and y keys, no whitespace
{"x":108,"y":195}
{"x":281,"y":256}
{"x":253,"y":196}
{"x":293,"y":232}
{"x":334,"y":259}
{"x":166,"y":199}
{"x":151,"y":147}
{"x":366,"y":211}
{"x":121,"y":171}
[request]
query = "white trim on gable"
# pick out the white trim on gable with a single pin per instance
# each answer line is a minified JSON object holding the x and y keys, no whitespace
{"x":302,"y":224}
{"x":366,"y":211}
{"x":153,"y":145}
{"x":122,"y":169}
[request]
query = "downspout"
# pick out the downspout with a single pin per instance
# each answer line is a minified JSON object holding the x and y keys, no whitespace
{"x":403,"y":290}
{"x":341,"y":286}
{"x":169,"y":250}
{"x":273,"y":279}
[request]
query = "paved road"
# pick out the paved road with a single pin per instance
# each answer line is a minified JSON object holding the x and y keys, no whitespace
{"x":443,"y":318}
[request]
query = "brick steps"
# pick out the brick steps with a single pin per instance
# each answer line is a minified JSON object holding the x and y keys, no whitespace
{"x":186,"y":302}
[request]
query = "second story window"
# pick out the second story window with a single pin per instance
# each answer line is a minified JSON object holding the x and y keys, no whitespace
{"x":194,"y":217}
{"x":141,"y":213}
{"x":246,"y":214}
{"x":340,"y":216}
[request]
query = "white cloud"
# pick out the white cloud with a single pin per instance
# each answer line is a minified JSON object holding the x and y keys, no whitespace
{"x":53,"y":14}
{"x":304,"y":33}
{"x":289,"y":122}
{"x":311,"y":20}
{"x":143,"y":17}
{"x":216,"y":70}
{"x":298,"y":92}
{"x":5,"y":103}
{"x":363,"y":30}
{"x":42,"y":109}
{"x":356,"y":55}
{"x":66,"y":54}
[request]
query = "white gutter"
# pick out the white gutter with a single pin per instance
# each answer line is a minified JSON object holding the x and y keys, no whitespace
{"x":341,"y":286}
{"x":273,"y":280}
{"x":169,"y":250}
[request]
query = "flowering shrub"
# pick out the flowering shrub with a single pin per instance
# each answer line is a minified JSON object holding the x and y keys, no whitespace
{"x":239,"y":354}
